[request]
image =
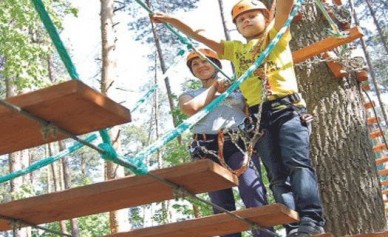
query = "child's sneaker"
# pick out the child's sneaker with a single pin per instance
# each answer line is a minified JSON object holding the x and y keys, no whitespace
{"x":305,"y":230}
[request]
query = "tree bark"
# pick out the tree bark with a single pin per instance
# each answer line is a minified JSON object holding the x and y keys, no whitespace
{"x":166,"y":80}
{"x":17,"y":161}
{"x":224,"y":26}
{"x":118,"y":219}
{"x":340,"y":148}
{"x":67,"y":185}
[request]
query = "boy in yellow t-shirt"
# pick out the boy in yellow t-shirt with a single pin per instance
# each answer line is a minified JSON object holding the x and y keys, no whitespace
{"x":284,"y":148}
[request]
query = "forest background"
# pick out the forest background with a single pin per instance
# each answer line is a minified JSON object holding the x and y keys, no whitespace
{"x":137,"y":68}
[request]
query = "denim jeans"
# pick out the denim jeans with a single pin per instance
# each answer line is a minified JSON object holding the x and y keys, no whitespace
{"x":284,"y":151}
{"x":251,"y":188}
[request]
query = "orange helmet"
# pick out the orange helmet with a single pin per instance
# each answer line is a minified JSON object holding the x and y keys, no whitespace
{"x":246,"y":5}
{"x":206,"y":52}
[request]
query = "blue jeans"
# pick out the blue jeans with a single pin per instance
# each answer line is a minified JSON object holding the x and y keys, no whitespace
{"x":284,"y":151}
{"x":251,"y":188}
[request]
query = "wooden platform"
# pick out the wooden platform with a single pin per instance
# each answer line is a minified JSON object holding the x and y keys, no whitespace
{"x":71,"y":105}
{"x":197,"y":177}
{"x":325,"y":45}
{"x":378,"y":234}
{"x":220,"y":224}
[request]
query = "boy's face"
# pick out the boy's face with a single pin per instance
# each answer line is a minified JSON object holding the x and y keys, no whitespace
{"x":251,"y":23}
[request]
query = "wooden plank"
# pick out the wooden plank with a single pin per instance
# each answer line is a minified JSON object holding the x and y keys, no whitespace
{"x":376,"y":133}
{"x":338,"y":2}
{"x":362,"y":75}
{"x":382,"y":160}
{"x":377,"y":234}
{"x":365,"y":87}
{"x":324,"y":45}
{"x":71,"y":105}
{"x":219,"y":224}
{"x":336,"y":68}
{"x":196,"y":177}
{"x":373,"y":120}
{"x":383,"y":172}
{"x":384,"y":182}
{"x":369,"y":105}
{"x":380,"y":147}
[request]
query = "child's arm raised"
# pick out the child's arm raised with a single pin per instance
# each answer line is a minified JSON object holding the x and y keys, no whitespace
{"x":187,"y":30}
{"x":283,"y":9}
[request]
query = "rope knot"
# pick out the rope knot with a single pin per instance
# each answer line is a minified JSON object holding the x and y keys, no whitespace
{"x":141,"y":167}
{"x":109,"y":152}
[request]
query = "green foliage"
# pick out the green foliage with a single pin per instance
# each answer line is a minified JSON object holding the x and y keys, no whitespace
{"x":205,"y":209}
{"x":160,"y":216}
{"x":24,"y":44}
{"x":89,"y":226}
{"x":135,"y":217}
{"x":176,"y":153}
{"x":134,"y":138}
{"x":25,"y":190}
{"x":95,"y":225}
{"x":184,"y":209}
{"x":192,"y":84}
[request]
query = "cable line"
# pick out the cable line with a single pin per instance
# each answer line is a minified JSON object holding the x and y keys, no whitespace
{"x":76,"y":145}
{"x":17,"y":224}
{"x":335,"y":31}
{"x":186,"y":41}
{"x":188,"y":123}
{"x":106,"y":150}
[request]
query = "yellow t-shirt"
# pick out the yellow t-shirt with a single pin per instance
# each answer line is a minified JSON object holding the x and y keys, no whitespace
{"x":280,"y":68}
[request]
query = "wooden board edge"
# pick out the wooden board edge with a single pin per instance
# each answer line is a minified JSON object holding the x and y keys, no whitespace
{"x":249,"y":214}
{"x":325,"y":45}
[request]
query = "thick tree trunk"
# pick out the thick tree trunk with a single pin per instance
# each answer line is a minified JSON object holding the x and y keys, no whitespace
{"x":340,"y":147}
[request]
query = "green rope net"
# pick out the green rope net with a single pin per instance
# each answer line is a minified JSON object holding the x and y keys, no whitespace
{"x":55,"y":38}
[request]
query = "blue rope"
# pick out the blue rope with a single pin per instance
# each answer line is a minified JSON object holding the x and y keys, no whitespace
{"x":55,"y":38}
{"x":188,"y":123}
{"x":72,"y":148}
{"x":44,"y":162}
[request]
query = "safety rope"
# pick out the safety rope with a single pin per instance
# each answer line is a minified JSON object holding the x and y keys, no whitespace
{"x":182,"y":192}
{"x":77,"y":145}
{"x":44,"y":162}
{"x":186,"y":41}
{"x":16,"y":223}
{"x":192,"y":120}
{"x":335,"y":31}
{"x":375,"y":114}
{"x":106,"y":153}
{"x":188,"y":123}
{"x":105,"y":149}
{"x":343,"y":54}
{"x":72,"y":148}
{"x":55,"y":38}
{"x":165,"y":75}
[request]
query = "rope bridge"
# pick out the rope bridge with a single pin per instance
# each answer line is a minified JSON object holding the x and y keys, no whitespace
{"x":135,"y":163}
